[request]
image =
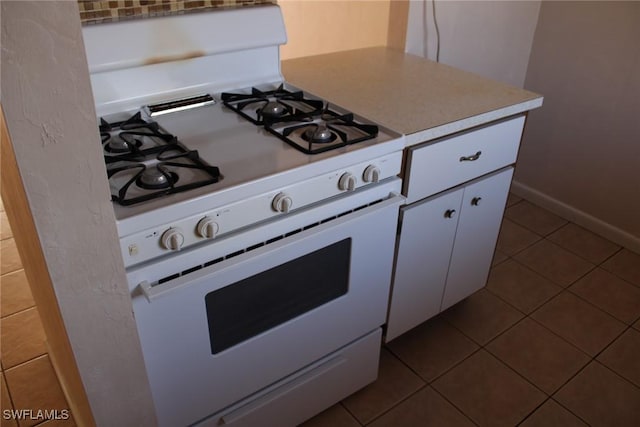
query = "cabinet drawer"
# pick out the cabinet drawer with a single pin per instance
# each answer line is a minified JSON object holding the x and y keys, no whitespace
{"x":445,"y":163}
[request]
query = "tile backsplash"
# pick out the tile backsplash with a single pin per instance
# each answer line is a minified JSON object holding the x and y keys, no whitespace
{"x":96,"y":12}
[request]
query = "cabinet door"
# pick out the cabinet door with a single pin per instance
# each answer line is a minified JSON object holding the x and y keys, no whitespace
{"x":480,"y":217}
{"x":422,"y":261}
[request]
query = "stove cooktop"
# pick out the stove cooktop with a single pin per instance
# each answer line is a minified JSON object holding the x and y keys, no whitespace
{"x":247,"y":158}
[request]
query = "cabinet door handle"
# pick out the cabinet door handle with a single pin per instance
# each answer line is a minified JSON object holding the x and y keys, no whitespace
{"x":476,"y":201}
{"x":450,"y":213}
{"x":471,"y":158}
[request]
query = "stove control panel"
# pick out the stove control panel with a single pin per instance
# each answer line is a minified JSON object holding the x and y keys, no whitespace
{"x":210,"y":224}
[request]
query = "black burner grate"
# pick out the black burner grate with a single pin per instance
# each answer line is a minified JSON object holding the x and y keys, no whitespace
{"x":145,"y":162}
{"x":263,"y":107}
{"x":321,"y":131}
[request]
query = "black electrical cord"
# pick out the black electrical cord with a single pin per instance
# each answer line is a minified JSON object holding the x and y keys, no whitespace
{"x":435,"y":23}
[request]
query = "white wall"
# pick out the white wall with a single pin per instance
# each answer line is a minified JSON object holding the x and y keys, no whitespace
{"x":48,"y":105}
{"x":489,"y":38}
{"x":581,"y":150}
{"x":580,"y":154}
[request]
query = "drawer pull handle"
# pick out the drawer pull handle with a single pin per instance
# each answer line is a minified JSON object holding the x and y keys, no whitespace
{"x":471,"y":158}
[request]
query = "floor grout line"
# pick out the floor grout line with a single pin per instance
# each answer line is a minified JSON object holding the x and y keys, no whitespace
{"x":18,"y":312}
{"x":21,"y":364}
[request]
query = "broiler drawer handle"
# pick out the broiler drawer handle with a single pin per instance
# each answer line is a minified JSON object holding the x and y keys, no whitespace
{"x":471,"y":158}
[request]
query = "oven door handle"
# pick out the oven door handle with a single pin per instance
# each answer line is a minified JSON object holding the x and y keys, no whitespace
{"x":152,"y":292}
{"x":147,"y":290}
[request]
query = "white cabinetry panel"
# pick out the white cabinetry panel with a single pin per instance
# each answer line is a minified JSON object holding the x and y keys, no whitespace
{"x":478,"y":227}
{"x":424,"y":250}
{"x":448,"y":162}
{"x":443,"y":258}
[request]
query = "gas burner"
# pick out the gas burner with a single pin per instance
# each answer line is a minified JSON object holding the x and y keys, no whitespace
{"x":156,"y":178}
{"x":141,"y":153}
{"x":262,"y":107}
{"x":274,"y":109}
{"x":323,"y":131}
{"x":318,"y":134}
{"x":123,"y":144}
{"x":133,"y":137}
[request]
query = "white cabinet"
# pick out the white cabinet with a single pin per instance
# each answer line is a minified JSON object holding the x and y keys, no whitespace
{"x":447,"y":240}
{"x":478,"y":227}
{"x":445,"y":249}
{"x":422,"y":261}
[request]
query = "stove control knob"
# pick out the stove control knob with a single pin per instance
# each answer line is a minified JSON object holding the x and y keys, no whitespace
{"x":347,"y":182}
{"x":282,"y":203}
{"x":371,"y":174}
{"x":207,"y":228}
{"x":172,"y":239}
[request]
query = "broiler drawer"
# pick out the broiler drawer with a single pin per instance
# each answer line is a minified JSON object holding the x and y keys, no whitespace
{"x":445,"y":163}
{"x":309,"y":391}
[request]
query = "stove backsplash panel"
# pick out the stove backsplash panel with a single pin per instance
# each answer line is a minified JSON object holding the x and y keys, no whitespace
{"x":97,"y":12}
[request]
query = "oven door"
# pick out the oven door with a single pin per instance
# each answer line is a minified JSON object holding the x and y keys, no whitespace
{"x":226,"y":329}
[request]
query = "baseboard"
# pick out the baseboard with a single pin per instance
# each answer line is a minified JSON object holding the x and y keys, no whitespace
{"x":581,"y":218}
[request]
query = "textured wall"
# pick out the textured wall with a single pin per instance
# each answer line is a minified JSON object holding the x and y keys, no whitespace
{"x":47,"y":100}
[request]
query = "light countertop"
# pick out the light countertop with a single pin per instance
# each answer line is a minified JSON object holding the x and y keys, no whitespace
{"x":409,"y":94}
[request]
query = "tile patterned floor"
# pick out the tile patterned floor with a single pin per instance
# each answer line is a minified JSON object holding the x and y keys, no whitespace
{"x":553,"y":340}
{"x":27,"y":378}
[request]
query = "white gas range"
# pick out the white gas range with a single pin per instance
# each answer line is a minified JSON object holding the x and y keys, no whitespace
{"x":252,"y":167}
{"x":257,"y":222}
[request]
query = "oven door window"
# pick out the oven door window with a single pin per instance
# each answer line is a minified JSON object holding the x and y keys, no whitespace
{"x":258,"y":303}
